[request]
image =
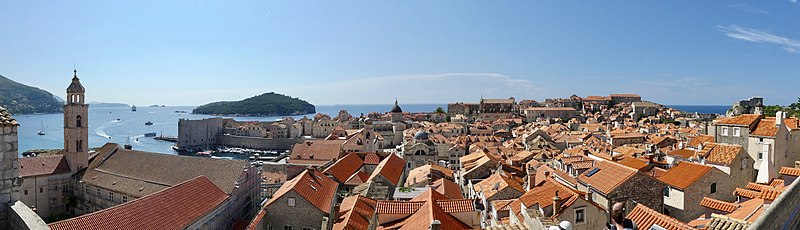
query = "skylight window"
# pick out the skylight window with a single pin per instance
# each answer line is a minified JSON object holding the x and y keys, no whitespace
{"x":592,"y":172}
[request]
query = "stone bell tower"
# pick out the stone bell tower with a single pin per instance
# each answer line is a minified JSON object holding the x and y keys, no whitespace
{"x":76,"y":126}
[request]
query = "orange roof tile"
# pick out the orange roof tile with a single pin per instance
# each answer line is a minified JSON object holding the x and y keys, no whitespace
{"x":37,"y":166}
{"x":496,"y":183}
{"x":173,"y":208}
{"x":316,"y":151}
{"x":391,"y":168}
{"x":684,"y":174}
{"x":313,"y":186}
{"x":790,"y":171}
{"x":609,"y":176}
{"x":422,"y":173}
{"x":645,"y":218}
{"x":701,"y":139}
{"x":683,"y":153}
{"x":720,"y":153}
{"x":542,"y":195}
{"x":345,"y":167}
{"x":457,"y":205}
{"x":770,"y":193}
{"x":357,"y":178}
{"x":372,"y":159}
{"x":355,"y":213}
{"x":397,"y":207}
{"x":633,"y":163}
{"x":718,"y":205}
{"x":448,"y":188}
{"x":765,"y":128}
{"x":746,"y":193}
{"x":744,"y":119}
{"x":755,"y":186}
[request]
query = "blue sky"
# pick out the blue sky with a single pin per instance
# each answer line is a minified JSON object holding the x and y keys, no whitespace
{"x":371,"y":52}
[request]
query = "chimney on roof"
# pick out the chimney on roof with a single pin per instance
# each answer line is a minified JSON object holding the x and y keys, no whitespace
{"x":436,"y":225}
{"x":556,"y":203}
{"x":779,"y":117}
{"x":589,"y":193}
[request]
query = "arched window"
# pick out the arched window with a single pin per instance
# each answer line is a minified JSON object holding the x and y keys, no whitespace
{"x":78,"y":122}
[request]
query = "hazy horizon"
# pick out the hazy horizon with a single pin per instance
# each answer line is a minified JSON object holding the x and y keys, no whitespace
{"x":420,"y":52}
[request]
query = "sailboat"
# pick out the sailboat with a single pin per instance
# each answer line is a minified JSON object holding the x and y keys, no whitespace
{"x":41,"y":131}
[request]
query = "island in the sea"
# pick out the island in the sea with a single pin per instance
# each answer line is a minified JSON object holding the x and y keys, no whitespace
{"x":268,"y":104}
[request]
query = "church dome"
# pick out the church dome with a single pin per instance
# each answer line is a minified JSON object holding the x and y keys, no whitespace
{"x":75,"y":86}
{"x":396,"y":108}
{"x":421,"y":135}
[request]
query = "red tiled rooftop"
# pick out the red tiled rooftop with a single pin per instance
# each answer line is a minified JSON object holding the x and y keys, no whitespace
{"x":37,"y":166}
{"x":744,"y":119}
{"x":391,"y":168}
{"x":313,"y":186}
{"x":608,"y":176}
{"x":645,"y":218}
{"x":718,"y":205}
{"x":790,"y":171}
{"x":684,"y":174}
{"x":344,"y":167}
{"x":172,"y":208}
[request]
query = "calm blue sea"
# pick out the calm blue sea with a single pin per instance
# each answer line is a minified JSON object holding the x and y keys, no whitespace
{"x":715,"y":109}
{"x":104,"y":127}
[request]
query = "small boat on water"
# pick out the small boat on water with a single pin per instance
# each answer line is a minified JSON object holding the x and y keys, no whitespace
{"x":133,"y":108}
{"x":148,"y":123}
{"x":41,"y":131}
{"x":150,"y":134}
{"x":204,"y":153}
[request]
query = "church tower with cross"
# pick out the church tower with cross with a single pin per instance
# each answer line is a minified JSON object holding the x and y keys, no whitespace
{"x":76,"y":126}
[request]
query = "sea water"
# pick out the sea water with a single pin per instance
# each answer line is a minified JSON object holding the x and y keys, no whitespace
{"x":121,"y":125}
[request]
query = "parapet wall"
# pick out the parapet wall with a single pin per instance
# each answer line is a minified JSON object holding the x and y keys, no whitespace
{"x":257,"y":142}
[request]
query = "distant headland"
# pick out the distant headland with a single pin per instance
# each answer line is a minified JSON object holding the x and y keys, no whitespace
{"x":268,"y":104}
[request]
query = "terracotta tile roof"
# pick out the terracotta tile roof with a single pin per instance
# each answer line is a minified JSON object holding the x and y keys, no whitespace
{"x":749,"y":210}
{"x":744,"y":119}
{"x":655,"y":172}
{"x":345,"y":167}
{"x":140,"y":173}
{"x":357,"y":178}
{"x":720,"y":153}
{"x":316,"y":151}
{"x":624,"y":95}
{"x":608,"y":176}
{"x":777,"y":183}
{"x":456,"y":206}
{"x":718,"y":205}
{"x":37,"y":166}
{"x":701,"y":139}
{"x":542,"y":195}
{"x":397,"y":207}
{"x":633,"y":163}
{"x":254,"y":223}
{"x":792,"y":123}
{"x":372,"y":159}
{"x":645,"y":218}
{"x":746,"y":193}
{"x":313,"y":186}
{"x":501,"y":205}
{"x":566,"y":177}
{"x":355,"y":213}
{"x":431,"y":170}
{"x":448,"y":188}
{"x":391,"y":168}
{"x":430,"y":210}
{"x":790,"y":171}
{"x":583,"y":164}
{"x":684,"y":174}
{"x":765,"y":128}
{"x":496,"y":183}
{"x":756,"y":186}
{"x":172,"y":208}
{"x":683,"y":153}
{"x":6,"y":119}
{"x":770,"y":193}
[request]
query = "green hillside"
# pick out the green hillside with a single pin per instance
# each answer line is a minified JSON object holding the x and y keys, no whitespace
{"x":268,"y":104}
{"x":22,"y":99}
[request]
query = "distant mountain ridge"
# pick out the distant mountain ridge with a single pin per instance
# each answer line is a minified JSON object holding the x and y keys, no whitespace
{"x":18,"y":98}
{"x":107,"y":104}
{"x":268,"y":104}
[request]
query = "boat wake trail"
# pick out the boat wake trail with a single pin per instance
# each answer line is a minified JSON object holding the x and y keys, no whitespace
{"x":101,"y":131}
